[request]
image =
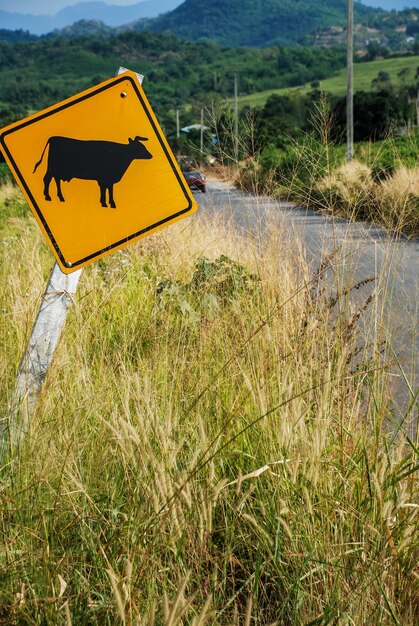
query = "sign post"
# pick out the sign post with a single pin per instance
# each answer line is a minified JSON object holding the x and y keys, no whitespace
{"x":98,"y":174}
{"x":46,"y":332}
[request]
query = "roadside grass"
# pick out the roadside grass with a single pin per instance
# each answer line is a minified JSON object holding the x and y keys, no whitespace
{"x":393,"y":202}
{"x":401,"y":71}
{"x":380,"y":185}
{"x":215,"y":442}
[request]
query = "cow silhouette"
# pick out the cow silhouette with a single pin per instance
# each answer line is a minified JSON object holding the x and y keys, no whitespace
{"x":103,"y":161}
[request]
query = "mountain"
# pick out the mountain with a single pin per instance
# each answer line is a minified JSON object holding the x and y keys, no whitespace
{"x":111,"y":15}
{"x":85,"y":28}
{"x":254,"y":22}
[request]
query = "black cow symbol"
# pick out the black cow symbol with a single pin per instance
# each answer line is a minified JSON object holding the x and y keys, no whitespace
{"x":103,"y":161}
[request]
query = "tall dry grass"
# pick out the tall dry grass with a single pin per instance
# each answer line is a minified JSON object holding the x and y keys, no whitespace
{"x":214,"y":443}
{"x":392,"y":202}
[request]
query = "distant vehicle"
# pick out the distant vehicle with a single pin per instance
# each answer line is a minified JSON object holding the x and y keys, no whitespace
{"x":195,"y":180}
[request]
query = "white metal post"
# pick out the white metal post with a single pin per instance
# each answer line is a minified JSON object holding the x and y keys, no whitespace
{"x":46,"y":332}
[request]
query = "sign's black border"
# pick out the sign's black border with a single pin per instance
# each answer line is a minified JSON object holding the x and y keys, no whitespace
{"x":65,"y":105}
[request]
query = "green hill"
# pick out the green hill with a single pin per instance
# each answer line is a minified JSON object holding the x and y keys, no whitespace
{"x":254,"y":22}
{"x":400,"y":71}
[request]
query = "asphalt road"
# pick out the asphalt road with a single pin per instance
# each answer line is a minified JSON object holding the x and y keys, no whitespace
{"x":364,"y":251}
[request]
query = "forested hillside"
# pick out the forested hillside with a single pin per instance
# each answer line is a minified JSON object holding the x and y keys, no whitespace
{"x":233,"y":23}
{"x":254,"y":23}
{"x":178,"y":73}
{"x":287,"y":22}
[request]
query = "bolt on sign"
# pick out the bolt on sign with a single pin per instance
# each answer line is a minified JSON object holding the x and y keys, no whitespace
{"x":97,"y":171}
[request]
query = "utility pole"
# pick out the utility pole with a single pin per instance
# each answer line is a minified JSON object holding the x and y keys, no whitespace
{"x":202,"y":132}
{"x":236,"y":119}
{"x":350,"y":88}
{"x":177,"y":124}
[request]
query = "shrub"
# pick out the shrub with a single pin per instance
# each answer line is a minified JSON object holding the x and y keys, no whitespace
{"x":354,"y":192}
{"x":5,"y":174}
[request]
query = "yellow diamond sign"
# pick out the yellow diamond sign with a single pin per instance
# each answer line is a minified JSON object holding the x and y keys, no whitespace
{"x":97,"y":171}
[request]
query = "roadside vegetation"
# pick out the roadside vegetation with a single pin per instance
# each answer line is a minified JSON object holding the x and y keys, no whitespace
{"x":216,"y":443}
{"x":387,"y":197}
{"x":309,"y":167}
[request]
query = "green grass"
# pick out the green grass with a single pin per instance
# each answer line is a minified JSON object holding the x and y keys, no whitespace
{"x":364,"y":74}
{"x":214,"y":443}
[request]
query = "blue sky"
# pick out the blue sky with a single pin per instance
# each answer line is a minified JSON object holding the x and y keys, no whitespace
{"x":52,"y":6}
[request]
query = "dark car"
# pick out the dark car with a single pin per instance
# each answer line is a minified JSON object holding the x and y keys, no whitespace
{"x":195,"y":180}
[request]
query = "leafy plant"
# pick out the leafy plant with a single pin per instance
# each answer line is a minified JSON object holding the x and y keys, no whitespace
{"x":214,"y":285}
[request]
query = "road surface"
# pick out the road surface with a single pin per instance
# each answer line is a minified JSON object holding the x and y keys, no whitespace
{"x":364,"y":251}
